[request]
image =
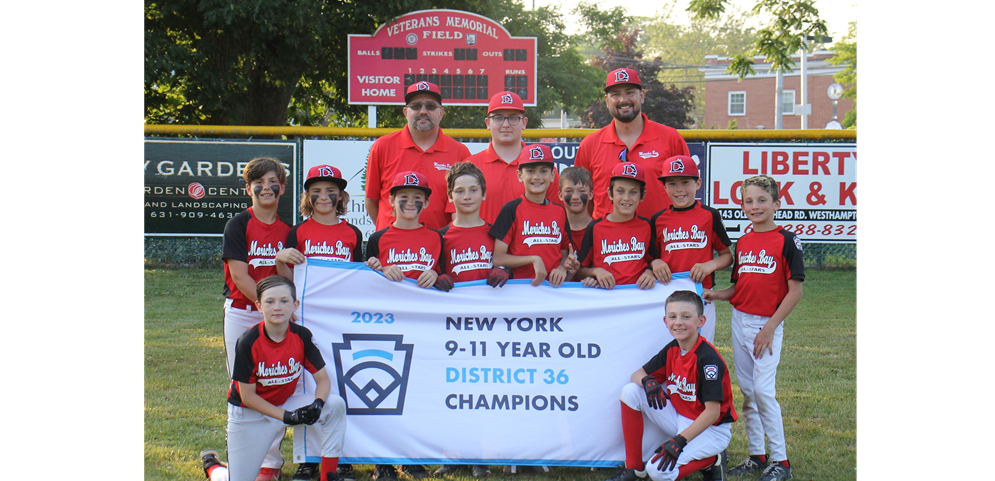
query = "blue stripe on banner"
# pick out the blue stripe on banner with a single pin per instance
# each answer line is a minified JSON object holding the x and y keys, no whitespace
{"x":373,"y":352}
{"x":339,"y":264}
{"x":485,"y":462}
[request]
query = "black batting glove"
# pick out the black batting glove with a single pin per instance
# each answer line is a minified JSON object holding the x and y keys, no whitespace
{"x":295,"y":417}
{"x":654,"y":393}
{"x":498,"y":276}
{"x":668,"y":453}
{"x":313,"y":411}
{"x":444,"y":283}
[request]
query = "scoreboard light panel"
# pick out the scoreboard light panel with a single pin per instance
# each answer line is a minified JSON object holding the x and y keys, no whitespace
{"x":470,"y":58}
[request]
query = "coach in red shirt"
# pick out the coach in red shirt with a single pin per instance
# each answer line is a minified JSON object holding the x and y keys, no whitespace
{"x":420,"y":146}
{"x":631,"y":137}
{"x":506,"y":120}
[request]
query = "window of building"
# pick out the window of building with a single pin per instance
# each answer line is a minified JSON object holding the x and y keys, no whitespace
{"x":737,"y":103}
{"x":788,"y":101}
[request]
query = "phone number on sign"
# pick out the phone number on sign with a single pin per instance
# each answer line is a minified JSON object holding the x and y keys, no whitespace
{"x":191,"y":215}
{"x":816,"y":229}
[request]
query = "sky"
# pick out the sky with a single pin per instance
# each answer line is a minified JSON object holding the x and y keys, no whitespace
{"x":836,"y":13}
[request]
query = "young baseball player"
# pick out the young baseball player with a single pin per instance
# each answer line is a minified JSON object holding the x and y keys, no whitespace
{"x":575,"y":193}
{"x":251,"y":241}
{"x":767,"y":284}
{"x":270,"y":357}
{"x":323,"y":235}
{"x":684,"y":391}
{"x":618,"y":247}
{"x":469,"y":247}
{"x":407,"y":248}
{"x":688,"y":233}
{"x":532,"y":235}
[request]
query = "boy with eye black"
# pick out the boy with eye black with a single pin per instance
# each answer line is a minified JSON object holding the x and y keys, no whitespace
{"x":251,"y":241}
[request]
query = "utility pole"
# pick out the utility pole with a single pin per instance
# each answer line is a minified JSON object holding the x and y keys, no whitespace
{"x":779,"y":102}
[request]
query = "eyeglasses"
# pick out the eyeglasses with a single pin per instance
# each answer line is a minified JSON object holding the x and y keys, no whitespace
{"x":430,"y":106}
{"x":513,"y":120}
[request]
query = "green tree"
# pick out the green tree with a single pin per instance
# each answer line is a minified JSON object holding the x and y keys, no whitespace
{"x":274,"y":62}
{"x":666,"y":104}
{"x":790,"y":21}
{"x":682,"y":46}
{"x":846,"y":54}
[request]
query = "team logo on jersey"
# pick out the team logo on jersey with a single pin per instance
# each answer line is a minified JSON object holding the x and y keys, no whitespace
{"x":471,"y":39}
{"x":411,"y":261}
{"x":535,"y":153}
{"x":540,"y":233}
{"x":411,"y":179}
{"x":619,"y":251}
{"x":677,"y":166}
{"x":278,"y":374}
{"x":757,"y":263}
{"x":679,"y":385}
{"x":422,"y":86}
{"x":680,"y":239}
{"x":506,"y":99}
{"x":798,"y":243}
{"x":372,"y":372}
{"x":411,"y":38}
{"x":621,"y":76}
{"x":649,"y":155}
{"x":470,"y":259}
{"x":263,"y":255}
{"x":711,"y":372}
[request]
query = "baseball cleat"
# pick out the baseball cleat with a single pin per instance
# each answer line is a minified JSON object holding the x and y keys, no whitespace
{"x":269,"y":474}
{"x":449,"y":469}
{"x":415,"y":471}
{"x":750,"y":465}
{"x":346,"y":473}
{"x":480,"y":471}
{"x":717,"y":471}
{"x":384,"y":472}
{"x":776,"y":471}
{"x":623,"y":474}
{"x":307,"y":472}
{"x":209,"y":458}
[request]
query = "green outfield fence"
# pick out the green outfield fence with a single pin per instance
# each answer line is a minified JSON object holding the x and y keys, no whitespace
{"x":174,"y":251}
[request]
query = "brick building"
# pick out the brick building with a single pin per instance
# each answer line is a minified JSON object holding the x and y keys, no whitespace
{"x":750,"y":102}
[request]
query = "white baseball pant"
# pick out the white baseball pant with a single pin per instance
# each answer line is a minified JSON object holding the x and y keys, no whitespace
{"x":669,"y":423}
{"x":757,"y":381}
{"x":708,"y":330}
{"x":307,"y":439}
{"x":237,"y":321}
{"x":251,"y":432}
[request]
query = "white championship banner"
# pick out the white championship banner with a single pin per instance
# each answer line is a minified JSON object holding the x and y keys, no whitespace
{"x":515,"y":375}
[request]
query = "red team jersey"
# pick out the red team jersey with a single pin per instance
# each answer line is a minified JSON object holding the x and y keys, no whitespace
{"x":468,"y":252}
{"x":690,"y":380}
{"x":412,"y":250}
{"x":532,"y":229}
{"x":339,"y":242}
{"x":601,"y":151}
{"x":763,"y":263}
{"x":274,"y":367}
{"x":249,"y":240}
{"x":503,"y":185}
{"x":624,"y":249}
{"x":397,"y":152}
{"x":688,"y":236}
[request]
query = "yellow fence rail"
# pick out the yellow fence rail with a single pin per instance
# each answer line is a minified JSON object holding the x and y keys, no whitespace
{"x":689,"y":135}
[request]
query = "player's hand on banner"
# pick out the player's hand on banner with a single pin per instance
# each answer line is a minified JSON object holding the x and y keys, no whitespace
{"x":700,"y":271}
{"x":499,"y":276}
{"x":590,"y":282}
{"x":540,"y":269}
{"x":290,"y":256}
{"x":647,"y":280}
{"x":373,"y":263}
{"x":395,"y":274}
{"x":444,"y":283}
{"x":427,"y":278}
{"x":557,"y":277}
{"x":661,"y":270}
{"x":654,"y":393}
{"x":605,"y":279}
{"x":668,"y":453}
{"x":312,"y":412}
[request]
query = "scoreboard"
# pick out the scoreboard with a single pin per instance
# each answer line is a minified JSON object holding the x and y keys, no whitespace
{"x":470,"y":58}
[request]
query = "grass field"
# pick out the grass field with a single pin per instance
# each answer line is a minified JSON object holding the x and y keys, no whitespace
{"x":185,"y":379}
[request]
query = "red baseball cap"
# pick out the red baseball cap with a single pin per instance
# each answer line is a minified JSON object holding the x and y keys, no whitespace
{"x":410,"y":180}
{"x":629,"y":170}
{"x":506,"y":100}
{"x":679,"y":166}
{"x":538,"y":154}
{"x":423,"y":87}
{"x":622,"y":76}
{"x":326,"y":172}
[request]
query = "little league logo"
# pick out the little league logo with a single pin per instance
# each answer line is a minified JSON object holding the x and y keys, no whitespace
{"x":372,"y":372}
{"x":711,"y":372}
